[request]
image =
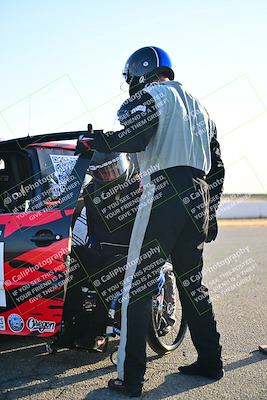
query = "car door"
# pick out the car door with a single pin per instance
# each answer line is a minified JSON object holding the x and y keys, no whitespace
{"x":34,"y":248}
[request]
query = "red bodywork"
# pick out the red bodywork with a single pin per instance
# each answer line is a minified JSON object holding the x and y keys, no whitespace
{"x":36,"y":288}
{"x":33,"y":272}
{"x":54,"y":145}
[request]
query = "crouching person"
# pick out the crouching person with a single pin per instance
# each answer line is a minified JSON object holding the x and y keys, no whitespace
{"x":101,"y":236}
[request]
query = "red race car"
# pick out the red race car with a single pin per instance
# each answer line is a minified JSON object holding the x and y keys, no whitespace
{"x":39,"y":194}
{"x":41,"y":181}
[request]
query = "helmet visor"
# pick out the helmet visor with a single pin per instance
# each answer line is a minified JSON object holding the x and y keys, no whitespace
{"x":109,"y":171}
{"x":125,"y":74}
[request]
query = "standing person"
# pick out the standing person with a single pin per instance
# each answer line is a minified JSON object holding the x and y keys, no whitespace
{"x":179,"y":157}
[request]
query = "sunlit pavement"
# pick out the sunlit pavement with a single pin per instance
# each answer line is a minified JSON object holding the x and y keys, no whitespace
{"x":236,"y":268}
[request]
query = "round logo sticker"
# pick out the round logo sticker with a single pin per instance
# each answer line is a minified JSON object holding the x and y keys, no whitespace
{"x":15,"y":323}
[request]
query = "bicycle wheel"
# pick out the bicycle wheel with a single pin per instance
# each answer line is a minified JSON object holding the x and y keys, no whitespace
{"x":167,"y":325}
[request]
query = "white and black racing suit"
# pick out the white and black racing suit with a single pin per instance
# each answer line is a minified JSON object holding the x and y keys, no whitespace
{"x":178,"y":155}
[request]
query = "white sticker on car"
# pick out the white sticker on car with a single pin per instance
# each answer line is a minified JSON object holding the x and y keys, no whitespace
{"x":34,"y":324}
{"x":15,"y":323}
{"x":2,"y":279}
{"x":63,"y":166}
{"x":2,"y":323}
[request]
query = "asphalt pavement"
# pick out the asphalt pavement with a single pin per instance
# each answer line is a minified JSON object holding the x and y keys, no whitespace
{"x":235,"y":271}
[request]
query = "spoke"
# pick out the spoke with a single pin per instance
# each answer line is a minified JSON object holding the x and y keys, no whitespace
{"x":162,"y":318}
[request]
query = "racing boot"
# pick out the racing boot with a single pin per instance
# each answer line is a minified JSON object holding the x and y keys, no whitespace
{"x":121,"y":387}
{"x":263,"y":349}
{"x":211,"y":368}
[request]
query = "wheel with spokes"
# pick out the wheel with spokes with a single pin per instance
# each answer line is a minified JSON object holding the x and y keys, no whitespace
{"x":167,"y":325}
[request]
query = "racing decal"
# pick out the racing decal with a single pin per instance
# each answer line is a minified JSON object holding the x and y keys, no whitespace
{"x":63,"y":165}
{"x":27,"y":282}
{"x":16,"y":222}
{"x":40,"y":326}
{"x":34,"y":283}
{"x":2,"y":289}
{"x":2,"y":323}
{"x":138,"y":108}
{"x":15,"y":323}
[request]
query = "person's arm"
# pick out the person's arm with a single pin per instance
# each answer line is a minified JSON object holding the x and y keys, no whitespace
{"x":89,"y":207}
{"x":80,"y":230}
{"x":215,"y":180}
{"x":140,"y":119}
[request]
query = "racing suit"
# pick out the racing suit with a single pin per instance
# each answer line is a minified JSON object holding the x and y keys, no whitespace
{"x":179,"y":157}
{"x":100,"y":233}
{"x":104,"y":227}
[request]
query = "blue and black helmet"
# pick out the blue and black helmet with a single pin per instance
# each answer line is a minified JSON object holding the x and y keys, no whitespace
{"x":145,"y":63}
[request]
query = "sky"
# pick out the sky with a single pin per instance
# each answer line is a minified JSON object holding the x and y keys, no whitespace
{"x":61,"y":64}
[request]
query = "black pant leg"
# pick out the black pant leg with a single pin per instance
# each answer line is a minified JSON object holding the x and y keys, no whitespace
{"x":188,"y":263}
{"x":172,"y":226}
{"x":160,"y":230}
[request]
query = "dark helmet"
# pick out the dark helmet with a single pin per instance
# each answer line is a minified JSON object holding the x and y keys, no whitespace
{"x":109,"y":167}
{"x":142,"y":66}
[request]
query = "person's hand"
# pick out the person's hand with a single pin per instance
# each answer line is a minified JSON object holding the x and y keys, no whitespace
{"x":84,"y":145}
{"x":212,"y":231}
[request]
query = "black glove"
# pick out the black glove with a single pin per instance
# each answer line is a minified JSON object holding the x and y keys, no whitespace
{"x":84,"y":145}
{"x":212,"y":231}
{"x":85,"y":142}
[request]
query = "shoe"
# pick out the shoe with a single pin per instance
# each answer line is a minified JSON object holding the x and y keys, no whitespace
{"x":164,"y":328}
{"x":263,"y":349}
{"x":164,"y":331}
{"x":202,"y":370}
{"x":101,"y":344}
{"x":119,"y":386}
